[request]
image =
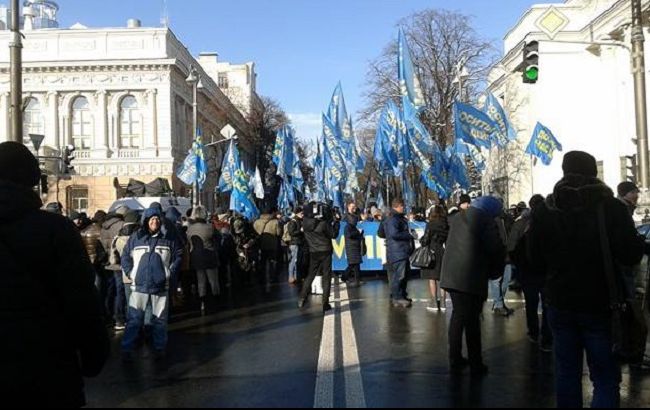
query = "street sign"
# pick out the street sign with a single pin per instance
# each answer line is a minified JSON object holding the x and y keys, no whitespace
{"x":228,"y":131}
{"x":552,"y":22}
{"x":37,"y":140}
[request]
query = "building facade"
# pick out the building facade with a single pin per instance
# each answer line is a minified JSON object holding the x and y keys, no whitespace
{"x":120,"y":96}
{"x":584,"y":94}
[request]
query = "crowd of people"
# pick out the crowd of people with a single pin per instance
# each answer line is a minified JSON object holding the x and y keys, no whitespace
{"x":565,"y":253}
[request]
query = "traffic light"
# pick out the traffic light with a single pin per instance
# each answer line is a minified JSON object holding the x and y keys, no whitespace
{"x":68,"y":168}
{"x":631,"y":169}
{"x":530,"y":64}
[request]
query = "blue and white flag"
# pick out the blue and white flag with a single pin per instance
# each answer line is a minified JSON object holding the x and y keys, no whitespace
{"x":241,"y":199}
{"x":285,"y":142}
{"x":286,"y":197}
{"x":473,"y":126}
{"x":543,"y":144}
{"x":334,"y":159}
{"x":258,"y":186}
{"x":338,"y":114}
{"x":380,"y":202}
{"x":458,"y":172}
{"x":504,"y":132}
{"x":194,"y":168}
{"x":297,"y":179}
{"x":409,"y":81}
{"x":229,"y":167}
{"x":390,"y":139}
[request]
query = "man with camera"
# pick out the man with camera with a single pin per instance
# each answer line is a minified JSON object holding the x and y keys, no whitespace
{"x":321,"y":226}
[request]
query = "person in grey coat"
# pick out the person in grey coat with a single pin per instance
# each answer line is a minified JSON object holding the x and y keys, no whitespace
{"x":204,"y":241}
{"x":475,"y":254}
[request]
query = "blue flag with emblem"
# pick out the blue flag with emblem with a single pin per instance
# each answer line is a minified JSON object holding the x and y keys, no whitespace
{"x":334,"y":160}
{"x":194,"y":168}
{"x":241,"y":199}
{"x":297,"y":178}
{"x":473,"y":126}
{"x":389,"y":140}
{"x":338,"y":114}
{"x":504,"y":132}
{"x":285,"y":155}
{"x":409,"y":82}
{"x":228,"y":168}
{"x":543,"y":144}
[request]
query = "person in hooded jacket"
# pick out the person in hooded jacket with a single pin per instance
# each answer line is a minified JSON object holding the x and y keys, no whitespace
{"x":204,"y":245}
{"x":354,"y":244}
{"x":53,"y":330}
{"x":151,"y":258}
{"x":567,"y":244}
{"x":110,"y":228}
{"x":474,"y":254}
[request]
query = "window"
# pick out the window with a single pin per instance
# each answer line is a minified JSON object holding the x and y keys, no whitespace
{"x":223,"y":80}
{"x":81,"y":123}
{"x":601,"y":170}
{"x":130,"y":123}
{"x":77,"y":198}
{"x":32,"y":119}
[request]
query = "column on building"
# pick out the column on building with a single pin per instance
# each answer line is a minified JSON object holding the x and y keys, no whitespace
{"x":151,"y":136}
{"x":52,"y":122}
{"x":100,"y":144}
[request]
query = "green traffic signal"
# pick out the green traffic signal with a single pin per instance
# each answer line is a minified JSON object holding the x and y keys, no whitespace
{"x":532,"y":73}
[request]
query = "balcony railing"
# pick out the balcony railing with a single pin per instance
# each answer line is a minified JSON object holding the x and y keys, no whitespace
{"x":129,"y":153}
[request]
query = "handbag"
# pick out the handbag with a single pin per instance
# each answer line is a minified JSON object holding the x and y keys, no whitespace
{"x":423,"y":258}
{"x":628,"y":326}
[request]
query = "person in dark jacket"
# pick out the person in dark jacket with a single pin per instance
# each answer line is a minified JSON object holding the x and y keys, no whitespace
{"x":321,"y":226}
{"x":474,"y":254}
{"x":400,"y":244}
{"x":204,"y":243}
{"x":434,"y":238}
{"x":354,"y":243}
{"x":566,"y":238}
{"x":110,"y":229}
{"x":53,"y":333}
{"x":151,"y":257}
{"x":532,"y":279}
{"x":270,"y":231}
{"x":296,"y":245}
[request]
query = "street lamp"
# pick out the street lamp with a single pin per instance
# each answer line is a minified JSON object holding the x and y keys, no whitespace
{"x":193,"y":80}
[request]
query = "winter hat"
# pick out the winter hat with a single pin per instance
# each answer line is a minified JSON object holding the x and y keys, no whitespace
{"x":464,"y":199}
{"x":74,"y":215}
{"x":626,"y":187}
{"x":490,"y":205}
{"x":99,"y":217}
{"x":18,"y":165}
{"x":151,"y":212}
{"x":580,"y":163}
{"x":54,"y":208}
{"x":131,"y":217}
{"x":535,"y":201}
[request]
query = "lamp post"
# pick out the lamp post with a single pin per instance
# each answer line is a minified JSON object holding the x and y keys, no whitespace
{"x":638,"y":70}
{"x":193,"y":81}
{"x":16,"y":77}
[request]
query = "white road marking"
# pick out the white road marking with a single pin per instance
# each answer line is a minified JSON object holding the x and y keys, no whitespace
{"x":354,"y":394}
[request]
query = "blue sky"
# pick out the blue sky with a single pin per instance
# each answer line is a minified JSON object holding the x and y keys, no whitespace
{"x":302,"y":48}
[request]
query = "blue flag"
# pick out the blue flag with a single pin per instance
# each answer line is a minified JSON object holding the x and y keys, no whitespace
{"x":194,"y":168}
{"x":458,"y":172}
{"x":334,"y":160}
{"x":297,"y":178}
{"x":338,"y":114}
{"x":241,"y":199}
{"x":228,"y":168}
{"x":543,"y":144}
{"x":285,"y":156}
{"x":473,"y":126}
{"x":389,"y":140}
{"x":409,"y":81}
{"x":504,"y":132}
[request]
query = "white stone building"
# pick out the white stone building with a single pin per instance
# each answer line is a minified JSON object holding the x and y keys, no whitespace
{"x":584,"y":93}
{"x":119,"y":95}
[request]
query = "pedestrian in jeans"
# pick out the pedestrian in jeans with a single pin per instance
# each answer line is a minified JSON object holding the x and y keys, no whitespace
{"x":204,"y":243}
{"x":296,"y":244}
{"x":151,"y":257}
{"x":400,"y":244}
{"x":567,"y":245}
{"x":474,"y":255}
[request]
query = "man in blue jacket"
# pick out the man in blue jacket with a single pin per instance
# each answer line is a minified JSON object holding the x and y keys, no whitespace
{"x":400,"y":245}
{"x":151,"y":257}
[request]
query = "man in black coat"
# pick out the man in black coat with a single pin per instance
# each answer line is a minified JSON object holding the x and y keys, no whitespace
{"x":353,"y":246}
{"x":567,"y":244}
{"x":400,"y":244}
{"x":321,"y":226}
{"x":474,"y":254}
{"x":296,"y":245}
{"x":52,"y":330}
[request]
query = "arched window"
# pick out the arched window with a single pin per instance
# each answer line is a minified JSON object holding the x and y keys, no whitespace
{"x":130,"y":123}
{"x":81,"y":123}
{"x":32,"y":119}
